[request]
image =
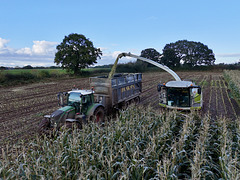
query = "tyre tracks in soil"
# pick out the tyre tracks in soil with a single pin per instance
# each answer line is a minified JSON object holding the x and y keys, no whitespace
{"x":32,"y":108}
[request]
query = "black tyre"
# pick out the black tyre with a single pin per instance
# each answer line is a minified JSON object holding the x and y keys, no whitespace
{"x":44,"y":126}
{"x":125,"y":105}
{"x":137,"y":100}
{"x":99,"y":115}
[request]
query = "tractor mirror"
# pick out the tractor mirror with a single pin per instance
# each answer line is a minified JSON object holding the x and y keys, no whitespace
{"x":199,"y":90}
{"x":60,"y":99}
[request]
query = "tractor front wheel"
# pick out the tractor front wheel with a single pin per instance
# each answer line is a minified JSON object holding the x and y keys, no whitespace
{"x":44,"y":126}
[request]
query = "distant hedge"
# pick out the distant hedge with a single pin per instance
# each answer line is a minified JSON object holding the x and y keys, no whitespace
{"x":23,"y":77}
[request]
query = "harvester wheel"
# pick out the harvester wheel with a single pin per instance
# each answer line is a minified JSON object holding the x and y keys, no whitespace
{"x":99,"y":115}
{"x":44,"y":126}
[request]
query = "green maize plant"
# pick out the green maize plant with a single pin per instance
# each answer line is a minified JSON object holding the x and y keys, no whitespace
{"x":141,"y":143}
{"x":233,"y":79}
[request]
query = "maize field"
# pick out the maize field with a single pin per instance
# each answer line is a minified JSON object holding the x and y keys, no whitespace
{"x":233,"y":79}
{"x":144,"y":142}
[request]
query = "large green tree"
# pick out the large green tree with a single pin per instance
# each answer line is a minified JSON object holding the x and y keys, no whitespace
{"x":149,"y":53}
{"x":170,"y":58}
{"x":191,"y":53}
{"x":76,"y":52}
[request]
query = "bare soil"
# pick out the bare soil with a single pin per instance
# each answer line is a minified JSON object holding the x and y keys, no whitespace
{"x":22,"y":107}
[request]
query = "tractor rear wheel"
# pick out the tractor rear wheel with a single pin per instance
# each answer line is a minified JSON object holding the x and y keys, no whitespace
{"x":99,"y":115}
{"x":44,"y":126}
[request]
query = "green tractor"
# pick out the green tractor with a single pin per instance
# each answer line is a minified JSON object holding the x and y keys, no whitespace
{"x":82,"y":106}
{"x":78,"y":109}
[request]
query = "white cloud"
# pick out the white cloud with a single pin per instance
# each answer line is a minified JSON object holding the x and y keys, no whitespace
{"x":227,"y":58}
{"x":4,"y":49}
{"x":3,"y":42}
{"x":39,"y":48}
{"x":40,"y":54}
{"x":110,"y":57}
{"x":44,"y":47}
{"x":25,"y":50}
{"x":115,"y":54}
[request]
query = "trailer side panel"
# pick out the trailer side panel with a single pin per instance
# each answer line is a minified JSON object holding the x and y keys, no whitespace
{"x":119,"y":89}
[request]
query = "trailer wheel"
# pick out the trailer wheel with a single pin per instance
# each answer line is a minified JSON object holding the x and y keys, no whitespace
{"x":132,"y":102}
{"x":99,"y":115}
{"x":137,"y":100}
{"x":124,"y":105}
{"x":44,"y":126}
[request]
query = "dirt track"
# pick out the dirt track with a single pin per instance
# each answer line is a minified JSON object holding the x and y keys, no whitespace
{"x":21,"y":108}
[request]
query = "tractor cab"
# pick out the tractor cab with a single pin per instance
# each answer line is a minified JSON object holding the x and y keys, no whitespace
{"x":74,"y":105}
{"x":79,"y":99}
{"x":180,"y":95}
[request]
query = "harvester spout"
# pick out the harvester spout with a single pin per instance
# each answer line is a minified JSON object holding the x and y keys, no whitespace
{"x":176,"y":77}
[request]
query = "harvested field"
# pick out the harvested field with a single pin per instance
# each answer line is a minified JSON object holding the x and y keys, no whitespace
{"x":21,"y":108}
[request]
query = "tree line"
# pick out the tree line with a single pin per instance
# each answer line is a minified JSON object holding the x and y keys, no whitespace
{"x":77,"y":52}
{"x":182,"y":53}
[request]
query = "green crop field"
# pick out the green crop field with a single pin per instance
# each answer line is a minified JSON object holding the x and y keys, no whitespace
{"x":59,"y":71}
{"x":233,"y":78}
{"x":33,"y":71}
{"x":143,"y":142}
{"x":26,"y":76}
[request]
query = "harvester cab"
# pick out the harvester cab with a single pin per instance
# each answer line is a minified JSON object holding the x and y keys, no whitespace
{"x":180,"y":95}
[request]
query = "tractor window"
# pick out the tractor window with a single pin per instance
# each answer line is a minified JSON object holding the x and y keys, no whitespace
{"x":86,"y":99}
{"x":178,"y":97}
{"x":73,"y":97}
{"x":87,"y":102}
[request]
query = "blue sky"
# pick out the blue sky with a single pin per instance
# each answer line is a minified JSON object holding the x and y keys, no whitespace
{"x":31,"y":30}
